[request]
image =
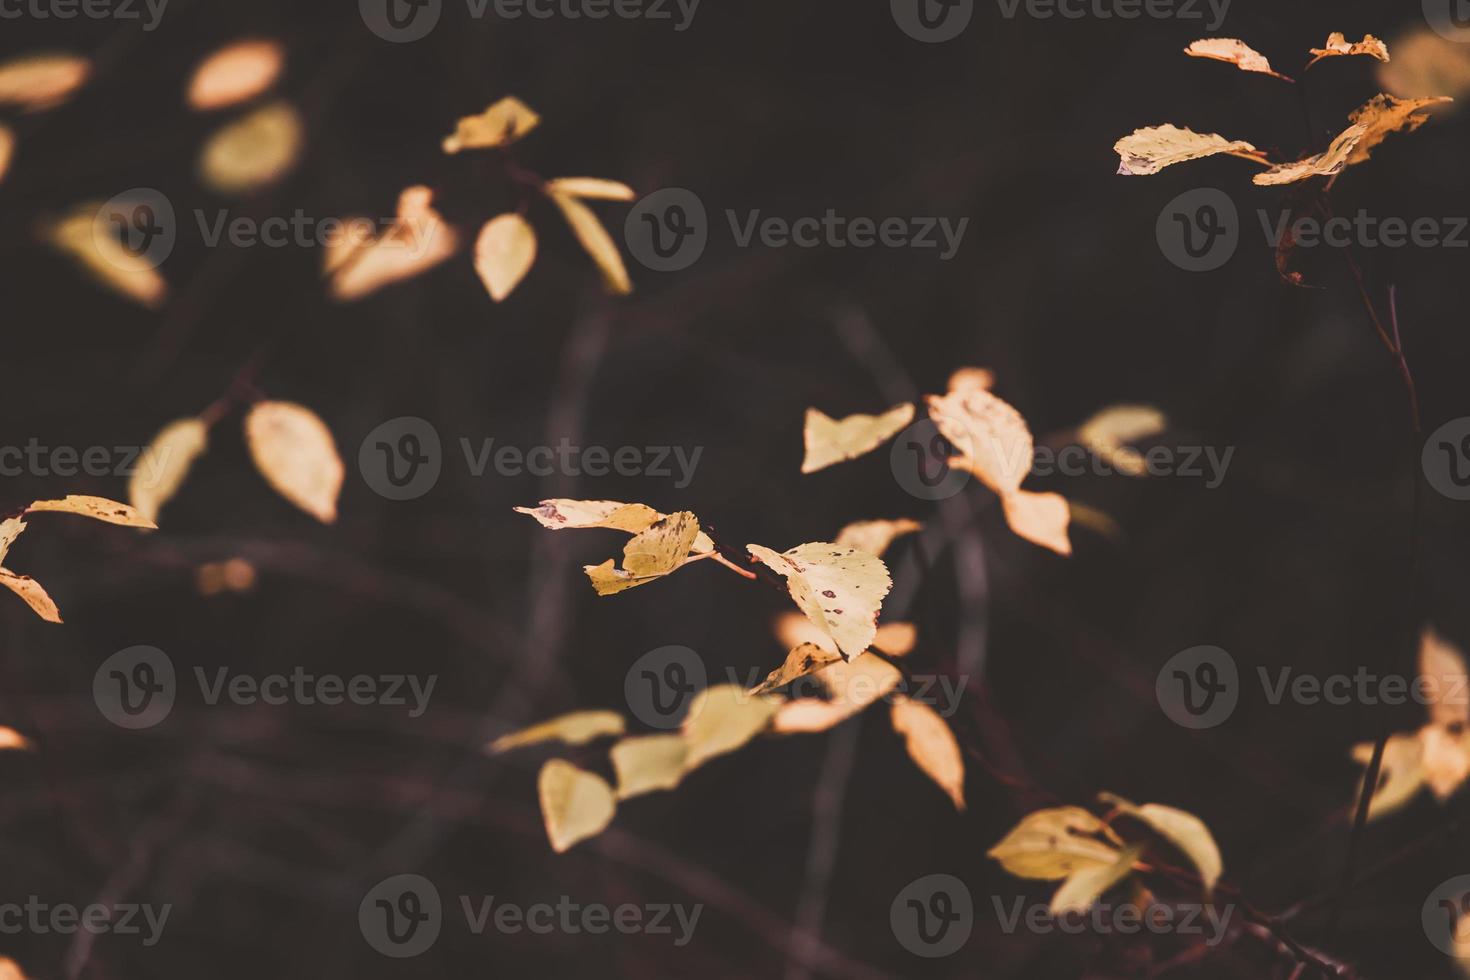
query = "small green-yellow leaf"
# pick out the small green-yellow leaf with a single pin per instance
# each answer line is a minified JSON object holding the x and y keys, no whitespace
{"x":253,"y":151}
{"x":1087,"y":885}
{"x":294,"y":450}
{"x":504,"y":253}
{"x":1185,"y":831}
{"x":596,"y":242}
{"x":164,"y":464}
{"x":721,"y":719}
{"x":1054,"y":844}
{"x":829,"y":441}
{"x":500,"y":125}
{"x":645,"y":763}
{"x":575,"y":804}
{"x":577,"y":728}
{"x":932,"y":746}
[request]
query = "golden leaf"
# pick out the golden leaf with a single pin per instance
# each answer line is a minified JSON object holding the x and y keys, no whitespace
{"x":577,"y":728}
{"x":830,"y":440}
{"x":10,"y":970}
{"x":596,"y":241}
{"x":874,"y":537}
{"x":30,"y":590}
{"x":11,"y":741}
{"x":558,"y":514}
{"x":575,"y":804}
{"x":839,"y":589}
{"x":1041,"y":518}
{"x":1149,"y":150}
{"x":161,"y":469}
{"x":1087,"y":885}
{"x":645,"y":763}
{"x":97,"y":508}
{"x":83,"y":235}
{"x":801,"y":661}
{"x":1237,"y":53}
{"x":235,"y":73}
{"x":591,"y":187}
{"x":896,"y":639}
{"x":721,"y":719}
{"x":10,"y":529}
{"x":851,"y":688}
{"x":1384,"y":114}
{"x":504,"y":253}
{"x":931,"y":745}
{"x":648,"y":555}
{"x":500,"y":125}
{"x":295,"y":452}
{"x":254,"y":150}
{"x":1446,"y":687}
{"x":1108,"y":433}
{"x":7,"y":149}
{"x":360,"y":263}
{"x":1326,"y":164}
{"x":1427,"y":64}
{"x":1054,"y":844}
{"x":1185,"y":831}
{"x":1446,"y":759}
{"x":989,"y":434}
{"x":1400,"y":776}
{"x":1336,"y":44}
{"x":42,"y":81}
{"x":969,"y":378}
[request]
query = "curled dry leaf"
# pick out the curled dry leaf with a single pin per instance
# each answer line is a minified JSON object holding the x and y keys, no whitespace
{"x":1186,"y":832}
{"x":504,"y":253}
{"x":42,"y":81}
{"x":839,"y":589}
{"x":1325,"y":164}
{"x":360,"y":262}
{"x":253,"y":151}
{"x":1151,"y":149}
{"x":236,"y":73}
{"x":1237,"y":53}
{"x":13,"y":741}
{"x":721,"y":719}
{"x":1336,"y":45}
{"x":30,"y":590}
{"x":596,"y":242}
{"x":808,"y":658}
{"x":830,"y":440}
{"x":295,"y":452}
{"x":97,"y":508}
{"x":557,"y":514}
{"x":645,"y":763}
{"x":851,"y":687}
{"x":1108,"y":433}
{"x":932,"y":746}
{"x":164,"y":465}
{"x":577,"y":728}
{"x":648,"y":555}
{"x":1384,"y":114}
{"x":1087,"y":885}
{"x":591,"y":187}
{"x":500,"y":125}
{"x":874,"y":537}
{"x":575,"y":804}
{"x":86,"y":236}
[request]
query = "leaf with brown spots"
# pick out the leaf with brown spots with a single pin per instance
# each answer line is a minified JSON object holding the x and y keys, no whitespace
{"x":97,"y":508}
{"x":1235,"y":52}
{"x":840,"y":589}
{"x":648,"y":555}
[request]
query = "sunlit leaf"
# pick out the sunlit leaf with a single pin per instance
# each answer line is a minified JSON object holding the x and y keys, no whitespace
{"x":721,"y":719}
{"x":830,"y":440}
{"x":1054,"y":844}
{"x":97,"y":508}
{"x":559,"y":514}
{"x":1237,"y":53}
{"x":7,"y":149}
{"x":500,"y":125}
{"x":1384,"y":114}
{"x":575,"y":804}
{"x":1330,"y":162}
{"x":874,"y":537}
{"x":1109,"y":432}
{"x":801,"y":661}
{"x":596,"y":241}
{"x":83,"y":235}
{"x":991,"y":437}
{"x":161,"y":470}
{"x":1447,"y":688}
{"x":577,"y":728}
{"x":851,"y":687}
{"x":295,"y":452}
{"x":591,"y":187}
{"x":896,"y":639}
{"x":645,"y":763}
{"x":970,"y":378}
{"x":1041,"y":518}
{"x":648,"y":555}
{"x":1185,"y":831}
{"x":1087,"y":885}
{"x":10,"y":529}
{"x":30,"y":590}
{"x":13,"y":741}
{"x":253,"y":151}
{"x":236,"y":73}
{"x":931,"y":745}
{"x":1401,"y":775}
{"x":1427,"y":64}
{"x":1336,"y":45}
{"x":360,"y":262}
{"x":42,"y":81}
{"x":504,"y":253}
{"x":1151,"y":149}
{"x":840,"y":589}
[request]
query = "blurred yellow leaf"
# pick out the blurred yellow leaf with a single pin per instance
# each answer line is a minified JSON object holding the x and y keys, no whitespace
{"x":1151,"y":149}
{"x":1053,"y":844}
{"x":969,"y":378}
{"x":1446,"y":687}
{"x":591,"y":187}
{"x":360,"y":263}
{"x":84,"y":234}
{"x":721,"y":719}
{"x":1041,"y":518}
{"x":10,"y":970}
{"x":1427,"y":64}
{"x":839,"y":589}
{"x":500,"y":125}
{"x":97,"y":508}
{"x":1108,"y":433}
{"x":577,"y":728}
{"x":504,"y":253}
{"x":42,"y":81}
{"x":161,"y":470}
{"x":896,"y":639}
{"x":295,"y":452}
{"x":1400,"y":776}
{"x":575,"y":804}
{"x":1087,"y":885}
{"x":989,"y":434}
{"x":874,"y":537}
{"x":830,"y":440}
{"x":931,"y":745}
{"x":1336,"y":45}
{"x":1185,"y":831}
{"x":10,"y":529}
{"x":7,"y":149}
{"x":1237,"y":53}
{"x":254,"y":150}
{"x":851,"y":687}
{"x":235,"y":73}
{"x":596,"y":241}
{"x":645,"y":763}
{"x":12,"y":740}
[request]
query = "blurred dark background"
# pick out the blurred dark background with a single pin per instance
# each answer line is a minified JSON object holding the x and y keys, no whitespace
{"x":264,"y":827}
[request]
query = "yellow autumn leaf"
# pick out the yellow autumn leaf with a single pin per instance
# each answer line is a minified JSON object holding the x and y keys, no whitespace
{"x":1336,"y":45}
{"x":10,"y":529}
{"x":874,"y":537}
{"x":991,"y":437}
{"x":13,"y":741}
{"x":504,"y":253}
{"x":1151,"y":149}
{"x":254,"y":150}
{"x":1446,"y":759}
{"x":10,"y":970}
{"x":235,"y":73}
{"x":1384,"y":114}
{"x":42,"y":81}
{"x":721,"y":719}
{"x":851,"y":687}
{"x":7,"y":149}
{"x":969,"y":378}
{"x":30,"y":590}
{"x":97,"y":508}
{"x":896,"y":639}
{"x":1446,"y":686}
{"x":1108,"y":433}
{"x":161,"y":470}
{"x":801,"y":661}
{"x":1041,"y":518}
{"x":1427,"y":64}
{"x":83,"y":235}
{"x":575,"y":804}
{"x":1234,"y":51}
{"x":1185,"y":831}
{"x":359,"y":262}
{"x":591,"y":187}
{"x":839,"y":589}
{"x":931,"y":745}
{"x":1087,"y":885}
{"x":559,"y":514}
{"x":596,"y":242}
{"x":577,"y":728}
{"x":1055,"y":843}
{"x":830,"y":440}
{"x":500,"y":125}
{"x":1328,"y":163}
{"x":295,"y":452}
{"x":648,"y":555}
{"x":645,"y":763}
